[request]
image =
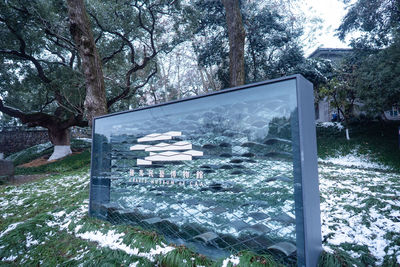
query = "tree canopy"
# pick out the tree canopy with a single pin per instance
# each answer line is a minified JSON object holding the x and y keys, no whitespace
{"x":377,"y":22}
{"x":43,"y":71}
{"x":272,"y":46}
{"x":42,"y":74}
{"x":376,"y":52}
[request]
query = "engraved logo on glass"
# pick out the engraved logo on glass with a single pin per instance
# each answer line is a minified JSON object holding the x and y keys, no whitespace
{"x":177,"y":151}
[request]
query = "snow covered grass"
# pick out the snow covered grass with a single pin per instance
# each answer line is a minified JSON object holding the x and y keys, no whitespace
{"x":46,"y":222}
{"x":360,"y":195}
{"x":360,"y":210}
{"x":50,"y":225}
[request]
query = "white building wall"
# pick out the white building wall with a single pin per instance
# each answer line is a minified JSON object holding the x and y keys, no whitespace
{"x":324,"y":111}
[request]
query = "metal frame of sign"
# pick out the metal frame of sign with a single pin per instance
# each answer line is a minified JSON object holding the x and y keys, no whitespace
{"x":306,"y":185}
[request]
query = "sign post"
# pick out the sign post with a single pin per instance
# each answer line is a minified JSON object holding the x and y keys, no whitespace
{"x":220,"y":173}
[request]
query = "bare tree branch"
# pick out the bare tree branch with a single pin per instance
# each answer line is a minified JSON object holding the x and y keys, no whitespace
{"x":128,"y":90}
{"x":106,"y":59}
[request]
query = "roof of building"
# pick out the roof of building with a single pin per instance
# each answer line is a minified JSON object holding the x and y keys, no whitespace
{"x":329,"y":52}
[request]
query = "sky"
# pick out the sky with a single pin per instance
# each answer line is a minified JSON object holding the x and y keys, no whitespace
{"x":331,"y":12}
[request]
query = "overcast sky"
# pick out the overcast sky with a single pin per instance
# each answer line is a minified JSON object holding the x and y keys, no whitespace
{"x":332,"y":13}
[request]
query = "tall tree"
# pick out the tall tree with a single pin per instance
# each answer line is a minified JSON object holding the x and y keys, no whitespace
{"x":38,"y":59}
{"x":81,"y":31}
{"x":271,"y":47}
{"x":237,"y":35}
{"x":377,"y":50}
{"x":340,"y":90}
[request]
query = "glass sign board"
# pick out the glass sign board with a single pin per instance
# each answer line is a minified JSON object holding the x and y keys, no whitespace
{"x":220,"y":173}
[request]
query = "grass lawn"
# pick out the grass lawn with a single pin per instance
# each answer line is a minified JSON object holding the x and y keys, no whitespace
{"x":45,"y":222}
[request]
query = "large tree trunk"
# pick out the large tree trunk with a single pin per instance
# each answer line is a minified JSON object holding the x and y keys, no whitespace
{"x":61,"y":140}
{"x":237,"y":37}
{"x":81,"y":31}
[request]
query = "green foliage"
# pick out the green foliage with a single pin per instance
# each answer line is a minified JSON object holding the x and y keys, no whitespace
{"x":340,"y":90}
{"x":182,"y":256}
{"x":377,"y":20}
{"x":390,"y":261}
{"x":373,"y":139}
{"x":272,"y":48}
{"x":248,"y":258}
{"x":41,"y":70}
{"x":377,"y":51}
{"x":336,"y":259}
{"x":317,"y":71}
{"x":129,"y":38}
{"x":378,"y":84}
{"x":40,"y":150}
{"x":37,"y":32}
{"x":80,"y":144}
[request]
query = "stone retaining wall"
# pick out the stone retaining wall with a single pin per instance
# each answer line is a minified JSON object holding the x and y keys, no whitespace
{"x":14,"y":139}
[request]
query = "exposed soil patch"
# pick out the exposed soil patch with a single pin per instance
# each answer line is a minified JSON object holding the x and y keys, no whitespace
{"x":42,"y":161}
{"x":37,"y":162}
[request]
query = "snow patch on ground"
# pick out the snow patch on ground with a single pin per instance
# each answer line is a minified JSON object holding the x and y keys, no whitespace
{"x":354,"y":161}
{"x":337,"y":125}
{"x":233,"y":259}
{"x":111,"y":240}
{"x":10,"y":228}
{"x":11,"y":258}
{"x":30,"y":241}
{"x":114,"y":240}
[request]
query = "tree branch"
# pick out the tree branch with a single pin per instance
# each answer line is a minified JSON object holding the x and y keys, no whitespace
{"x":124,"y":38}
{"x":35,"y":62}
{"x":128,"y":90}
{"x":22,"y":53}
{"x":106,"y":59}
{"x":32,"y":119}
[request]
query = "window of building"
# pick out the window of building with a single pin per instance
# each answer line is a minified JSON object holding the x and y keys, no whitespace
{"x":394,"y":112}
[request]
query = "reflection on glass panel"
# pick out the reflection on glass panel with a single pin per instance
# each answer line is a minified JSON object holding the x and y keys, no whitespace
{"x":213,"y":173}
